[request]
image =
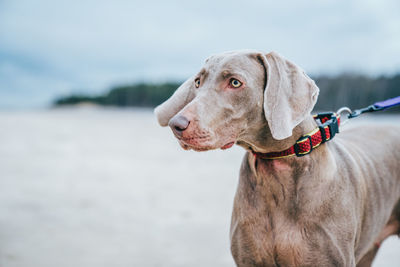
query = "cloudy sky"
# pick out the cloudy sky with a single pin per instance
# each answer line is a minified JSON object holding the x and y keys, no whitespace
{"x":52,"y":48}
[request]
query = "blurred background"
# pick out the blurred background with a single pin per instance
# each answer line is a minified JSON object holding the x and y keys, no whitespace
{"x":88,"y":178}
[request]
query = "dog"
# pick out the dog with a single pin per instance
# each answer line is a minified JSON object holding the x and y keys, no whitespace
{"x":331,"y":207}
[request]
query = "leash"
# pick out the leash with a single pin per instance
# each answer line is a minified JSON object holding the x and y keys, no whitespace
{"x":328,"y":127}
{"x":374,"y":107}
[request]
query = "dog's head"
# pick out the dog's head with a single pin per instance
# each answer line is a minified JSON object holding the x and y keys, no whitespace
{"x":233,"y":94}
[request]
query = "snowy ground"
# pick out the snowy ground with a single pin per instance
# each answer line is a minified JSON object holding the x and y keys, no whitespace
{"x":95,"y":187}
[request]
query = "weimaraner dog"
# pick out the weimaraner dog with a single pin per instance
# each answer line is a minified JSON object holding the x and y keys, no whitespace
{"x":332,"y":207}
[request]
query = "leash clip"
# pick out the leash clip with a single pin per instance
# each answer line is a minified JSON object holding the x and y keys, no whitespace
{"x":360,"y":111}
{"x":344,"y":110}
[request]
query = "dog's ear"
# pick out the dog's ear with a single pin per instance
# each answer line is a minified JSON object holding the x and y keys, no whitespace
{"x":289,"y":95}
{"x":181,"y":97}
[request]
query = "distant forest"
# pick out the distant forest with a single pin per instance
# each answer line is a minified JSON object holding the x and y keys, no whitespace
{"x":350,"y":90}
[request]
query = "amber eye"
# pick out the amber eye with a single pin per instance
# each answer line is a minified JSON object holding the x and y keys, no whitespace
{"x":235,"y":83}
{"x":197,"y":83}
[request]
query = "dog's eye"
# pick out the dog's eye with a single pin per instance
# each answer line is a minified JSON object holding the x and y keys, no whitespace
{"x":197,"y":83}
{"x":235,"y":83}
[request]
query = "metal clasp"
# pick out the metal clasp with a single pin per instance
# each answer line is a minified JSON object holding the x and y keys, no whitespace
{"x":344,"y":110}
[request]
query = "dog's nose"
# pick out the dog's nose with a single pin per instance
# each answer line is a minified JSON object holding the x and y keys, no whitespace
{"x":178,"y":124}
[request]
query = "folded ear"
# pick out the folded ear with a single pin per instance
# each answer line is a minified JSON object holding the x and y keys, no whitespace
{"x":289,"y":95}
{"x":181,"y":97}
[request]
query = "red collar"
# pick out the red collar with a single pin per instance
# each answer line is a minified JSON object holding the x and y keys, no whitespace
{"x":328,"y":127}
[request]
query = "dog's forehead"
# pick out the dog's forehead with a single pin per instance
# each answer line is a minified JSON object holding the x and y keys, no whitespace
{"x":228,"y":56}
{"x":229,"y":60}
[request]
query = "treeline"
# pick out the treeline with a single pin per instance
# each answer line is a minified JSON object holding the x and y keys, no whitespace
{"x":355,"y":91}
{"x":136,"y":95}
{"x":350,"y":90}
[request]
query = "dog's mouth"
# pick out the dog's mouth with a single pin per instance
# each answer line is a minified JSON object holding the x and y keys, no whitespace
{"x":196,"y":148}
{"x":228,"y":145}
{"x":203,"y":145}
{"x":198,"y":143}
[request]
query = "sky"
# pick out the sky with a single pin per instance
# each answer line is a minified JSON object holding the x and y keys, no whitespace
{"x":54,"y":48}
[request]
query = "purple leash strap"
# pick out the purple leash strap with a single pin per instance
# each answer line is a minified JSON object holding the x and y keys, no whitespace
{"x":388,"y":103}
{"x":376,"y":107}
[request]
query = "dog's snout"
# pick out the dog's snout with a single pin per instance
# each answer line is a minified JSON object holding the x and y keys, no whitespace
{"x":179,"y":124}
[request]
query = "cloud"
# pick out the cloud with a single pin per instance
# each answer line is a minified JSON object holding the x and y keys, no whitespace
{"x":56,"y":47}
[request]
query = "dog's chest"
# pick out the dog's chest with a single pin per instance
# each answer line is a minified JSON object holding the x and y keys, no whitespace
{"x":269,"y":245}
{"x":290,"y":247}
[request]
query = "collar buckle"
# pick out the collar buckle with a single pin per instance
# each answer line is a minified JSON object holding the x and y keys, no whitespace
{"x":333,"y":126}
{"x":331,"y":121}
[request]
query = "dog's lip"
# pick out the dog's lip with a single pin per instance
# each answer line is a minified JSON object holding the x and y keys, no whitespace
{"x":193,"y":147}
{"x":187,"y":144}
{"x":189,"y":140}
{"x":228,"y":145}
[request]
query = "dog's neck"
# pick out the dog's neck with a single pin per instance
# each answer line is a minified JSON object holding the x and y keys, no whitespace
{"x":263,"y":142}
{"x":276,"y":181}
